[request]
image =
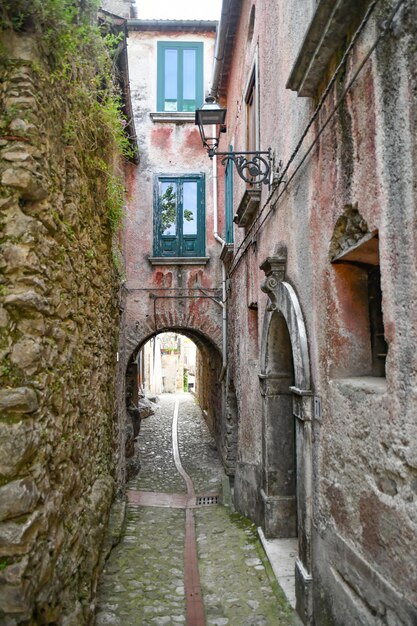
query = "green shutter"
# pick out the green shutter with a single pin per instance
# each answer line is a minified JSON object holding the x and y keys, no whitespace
{"x":182,"y":105}
{"x":229,"y":200}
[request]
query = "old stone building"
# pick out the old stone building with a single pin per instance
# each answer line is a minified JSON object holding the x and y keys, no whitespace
{"x":322,"y":294}
{"x":173,"y":269}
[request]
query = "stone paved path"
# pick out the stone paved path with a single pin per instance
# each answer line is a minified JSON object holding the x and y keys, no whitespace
{"x":143,"y":581}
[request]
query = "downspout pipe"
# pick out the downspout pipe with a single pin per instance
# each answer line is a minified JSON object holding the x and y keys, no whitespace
{"x":220,"y":47}
{"x":215,"y":203}
{"x":219,"y":57}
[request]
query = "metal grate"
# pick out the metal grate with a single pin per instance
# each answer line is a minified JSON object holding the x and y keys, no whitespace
{"x":208,"y":499}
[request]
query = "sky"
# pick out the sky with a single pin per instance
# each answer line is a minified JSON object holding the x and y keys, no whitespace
{"x":178,"y":9}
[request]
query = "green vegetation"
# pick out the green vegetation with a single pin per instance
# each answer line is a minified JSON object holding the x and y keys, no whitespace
{"x":79,"y":76}
{"x":283,"y":607}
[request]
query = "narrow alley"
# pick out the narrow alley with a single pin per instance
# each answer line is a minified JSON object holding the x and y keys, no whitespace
{"x":208,"y":313}
{"x":147,"y":580}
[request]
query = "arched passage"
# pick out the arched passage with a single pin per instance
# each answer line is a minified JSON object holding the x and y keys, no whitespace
{"x":208,"y":385}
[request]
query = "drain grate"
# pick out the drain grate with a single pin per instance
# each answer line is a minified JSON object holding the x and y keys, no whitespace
{"x":211,"y":498}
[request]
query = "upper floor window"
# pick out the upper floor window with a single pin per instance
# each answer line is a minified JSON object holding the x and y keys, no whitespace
{"x":251,"y":115}
{"x":179,"y":216}
{"x":251,"y":99}
{"x":180,"y":76}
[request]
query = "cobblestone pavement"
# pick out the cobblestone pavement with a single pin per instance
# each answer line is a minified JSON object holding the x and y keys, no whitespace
{"x":142,"y":584}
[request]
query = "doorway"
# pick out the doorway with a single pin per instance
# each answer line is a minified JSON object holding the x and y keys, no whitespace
{"x":279,"y":445}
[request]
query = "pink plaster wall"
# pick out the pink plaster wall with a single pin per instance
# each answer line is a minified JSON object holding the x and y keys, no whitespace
{"x":169,"y":148}
{"x":365,"y":455}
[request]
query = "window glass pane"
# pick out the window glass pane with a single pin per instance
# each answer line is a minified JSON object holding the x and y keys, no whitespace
{"x":170,"y":105}
{"x":251,"y":121}
{"x":171,"y":74}
{"x":189,"y":74}
{"x":188,"y":105}
{"x":189,"y":190}
{"x":168,"y":196}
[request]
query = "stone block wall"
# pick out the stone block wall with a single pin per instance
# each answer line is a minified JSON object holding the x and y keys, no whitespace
{"x":59,"y":334}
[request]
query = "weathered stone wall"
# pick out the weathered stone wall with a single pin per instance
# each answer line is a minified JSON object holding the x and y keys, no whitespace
{"x":59,"y":323}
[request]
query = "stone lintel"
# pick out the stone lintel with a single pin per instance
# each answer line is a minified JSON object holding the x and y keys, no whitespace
{"x":365,"y":251}
{"x":372,"y":385}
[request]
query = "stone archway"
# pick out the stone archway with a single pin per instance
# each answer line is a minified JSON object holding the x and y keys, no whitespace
{"x":209,"y":366}
{"x":287,"y":414}
{"x":209,"y":388}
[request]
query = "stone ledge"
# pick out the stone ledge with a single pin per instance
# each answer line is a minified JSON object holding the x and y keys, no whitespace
{"x":301,"y":392}
{"x":226,"y":253}
{"x":281,"y":555}
{"x":247,"y":208}
{"x":368,"y":384}
{"x":178,"y":260}
{"x":351,"y":581}
{"x":174,"y":117}
{"x":326,"y":32}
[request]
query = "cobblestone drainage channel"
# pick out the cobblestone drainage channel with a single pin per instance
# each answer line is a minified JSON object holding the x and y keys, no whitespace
{"x":195,"y":613}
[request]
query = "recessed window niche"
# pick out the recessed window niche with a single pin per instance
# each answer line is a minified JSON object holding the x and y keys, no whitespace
{"x":358,"y":343}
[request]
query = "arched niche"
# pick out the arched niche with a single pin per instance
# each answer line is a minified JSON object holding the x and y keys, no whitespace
{"x":282,"y":298}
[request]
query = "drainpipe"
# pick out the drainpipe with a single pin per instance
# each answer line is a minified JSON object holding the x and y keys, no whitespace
{"x":221,"y":242}
{"x":220,"y":46}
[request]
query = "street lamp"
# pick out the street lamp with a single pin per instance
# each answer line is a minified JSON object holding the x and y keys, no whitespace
{"x":255,"y":169}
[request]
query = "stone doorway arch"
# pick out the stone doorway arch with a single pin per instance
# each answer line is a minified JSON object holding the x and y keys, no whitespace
{"x":286,"y":423}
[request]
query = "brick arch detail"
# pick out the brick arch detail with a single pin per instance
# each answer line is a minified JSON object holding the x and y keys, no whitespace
{"x":201,"y":329}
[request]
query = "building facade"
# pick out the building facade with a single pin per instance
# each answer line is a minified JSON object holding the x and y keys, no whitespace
{"x":321,"y":294}
{"x":173,"y":269}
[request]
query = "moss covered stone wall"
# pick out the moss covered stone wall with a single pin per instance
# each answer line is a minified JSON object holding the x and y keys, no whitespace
{"x":59,"y":333}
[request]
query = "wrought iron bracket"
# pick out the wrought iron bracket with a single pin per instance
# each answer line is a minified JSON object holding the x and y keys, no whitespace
{"x":252,"y":167}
